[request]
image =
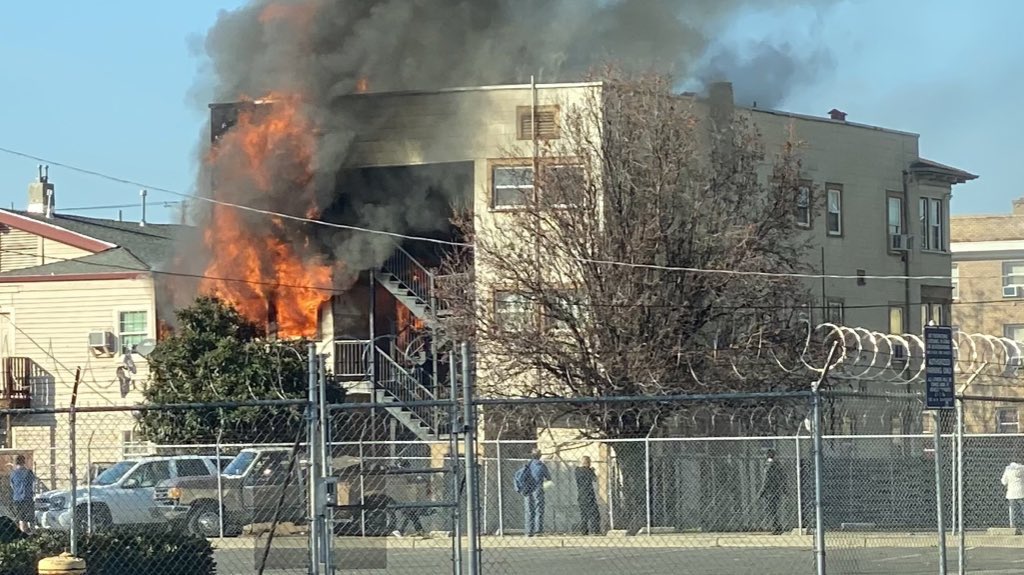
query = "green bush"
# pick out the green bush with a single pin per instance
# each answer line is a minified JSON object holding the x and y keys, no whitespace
{"x":116,"y":552}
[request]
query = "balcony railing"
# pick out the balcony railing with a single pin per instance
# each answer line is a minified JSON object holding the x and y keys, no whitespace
{"x":17,"y":382}
{"x":411,"y":274}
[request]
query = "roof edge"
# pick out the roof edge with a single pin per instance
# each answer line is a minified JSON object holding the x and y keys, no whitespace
{"x":74,"y":277}
{"x":54,"y":232}
{"x":932,"y":168}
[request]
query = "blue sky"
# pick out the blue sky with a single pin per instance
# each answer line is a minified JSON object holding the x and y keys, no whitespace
{"x":109,"y":86}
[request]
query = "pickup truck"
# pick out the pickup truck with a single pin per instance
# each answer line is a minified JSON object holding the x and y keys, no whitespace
{"x":120,"y":495}
{"x":250,"y":488}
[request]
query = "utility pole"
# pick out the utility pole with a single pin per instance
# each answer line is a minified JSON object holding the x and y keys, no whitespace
{"x":311,"y":457}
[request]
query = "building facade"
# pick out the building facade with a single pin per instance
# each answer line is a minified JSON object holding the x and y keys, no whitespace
{"x":77,"y":298}
{"x":988,"y":292}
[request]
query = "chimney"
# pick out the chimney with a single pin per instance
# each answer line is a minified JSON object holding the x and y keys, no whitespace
{"x":1018,"y":207}
{"x":837,"y":115}
{"x":40,"y":194}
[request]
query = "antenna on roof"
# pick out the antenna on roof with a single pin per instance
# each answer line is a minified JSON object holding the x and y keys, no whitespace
{"x":142,"y":222}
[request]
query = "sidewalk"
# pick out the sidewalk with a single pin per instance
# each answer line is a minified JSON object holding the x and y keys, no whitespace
{"x":834,"y":540}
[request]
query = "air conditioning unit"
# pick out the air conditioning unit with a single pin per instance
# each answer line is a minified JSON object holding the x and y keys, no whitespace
{"x":1011,"y":291}
{"x":102,"y":342}
{"x":900,"y":242}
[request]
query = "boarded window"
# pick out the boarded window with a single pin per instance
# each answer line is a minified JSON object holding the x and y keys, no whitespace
{"x":547,"y":122}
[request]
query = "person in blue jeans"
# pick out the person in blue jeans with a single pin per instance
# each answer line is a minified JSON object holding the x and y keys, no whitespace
{"x":534,"y":500}
{"x":23,"y":483}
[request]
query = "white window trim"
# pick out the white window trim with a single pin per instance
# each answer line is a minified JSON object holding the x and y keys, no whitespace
{"x":526,"y":189}
{"x":1016,"y":424}
{"x":828,"y":206}
{"x":954,"y":281}
{"x":150,"y":328}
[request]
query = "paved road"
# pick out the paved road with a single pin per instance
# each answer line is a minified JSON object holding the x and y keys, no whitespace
{"x":610,"y":560}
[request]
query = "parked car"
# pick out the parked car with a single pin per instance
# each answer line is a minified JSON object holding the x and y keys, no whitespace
{"x":251,"y":488}
{"x":122,"y":494}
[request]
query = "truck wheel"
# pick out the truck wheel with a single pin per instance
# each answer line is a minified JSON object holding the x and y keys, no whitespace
{"x":101,"y":520}
{"x":204,"y":521}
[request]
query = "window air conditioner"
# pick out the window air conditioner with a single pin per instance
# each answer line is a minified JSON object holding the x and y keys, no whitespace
{"x":101,"y":341}
{"x":1011,"y":291}
{"x":900,"y":242}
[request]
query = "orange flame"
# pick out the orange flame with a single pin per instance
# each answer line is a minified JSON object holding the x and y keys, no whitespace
{"x":362,"y":85}
{"x":255,"y":262}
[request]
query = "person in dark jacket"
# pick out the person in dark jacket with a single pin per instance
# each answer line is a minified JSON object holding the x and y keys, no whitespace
{"x":590,"y":518}
{"x":23,"y":483}
{"x":771,"y":491}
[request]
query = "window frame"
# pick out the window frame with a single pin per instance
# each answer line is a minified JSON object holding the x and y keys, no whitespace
{"x":559,"y":326}
{"x":529,"y":313}
{"x":145,"y":334}
{"x":558,"y":163}
{"x":806,"y":222}
{"x":528,"y":191}
{"x":927,"y":222}
{"x":999,"y":423}
{"x":199,"y":460}
{"x":1006,"y":266}
{"x":954,"y":281}
{"x":831,"y":189}
{"x":890,"y":197}
{"x":832,"y":304}
{"x":138,"y":471}
{"x":928,"y":309}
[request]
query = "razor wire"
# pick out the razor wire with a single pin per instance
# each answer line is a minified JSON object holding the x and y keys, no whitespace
{"x":869,"y":355}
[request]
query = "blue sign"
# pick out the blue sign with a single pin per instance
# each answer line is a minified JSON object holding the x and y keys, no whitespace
{"x":938,"y":368}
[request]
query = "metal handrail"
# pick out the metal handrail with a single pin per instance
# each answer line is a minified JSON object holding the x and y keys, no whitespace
{"x":411,"y":274}
{"x":350,"y":358}
{"x":402,"y":385}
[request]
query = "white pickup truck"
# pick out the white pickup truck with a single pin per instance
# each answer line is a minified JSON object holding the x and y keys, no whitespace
{"x":122,"y":494}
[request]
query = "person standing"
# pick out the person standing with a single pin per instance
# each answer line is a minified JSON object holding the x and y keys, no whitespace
{"x":23,"y":483}
{"x":1013,"y":480}
{"x":590,"y":518}
{"x":771,"y":491}
{"x":529,"y":482}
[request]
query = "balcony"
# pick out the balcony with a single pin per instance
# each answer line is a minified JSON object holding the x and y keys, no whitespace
{"x":17,"y":383}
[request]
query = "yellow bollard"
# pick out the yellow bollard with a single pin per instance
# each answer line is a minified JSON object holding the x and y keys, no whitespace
{"x":63,"y":564}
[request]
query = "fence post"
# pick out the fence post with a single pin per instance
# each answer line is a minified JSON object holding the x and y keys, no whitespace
{"x":453,"y":439}
{"x":74,"y":474}
{"x":939,"y":512}
{"x":647,"y":479}
{"x":472,"y":497}
{"x":819,"y":511}
{"x":311,"y":457}
{"x":799,"y":487}
{"x":220,"y":485}
{"x":501,"y":499}
{"x":612,"y":480}
{"x":961,"y":538}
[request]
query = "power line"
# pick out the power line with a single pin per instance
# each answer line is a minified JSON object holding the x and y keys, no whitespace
{"x":462,"y":244}
{"x":492,"y":299}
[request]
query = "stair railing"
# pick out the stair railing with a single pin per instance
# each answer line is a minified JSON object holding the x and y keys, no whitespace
{"x":403,"y":386}
{"x":411,"y":274}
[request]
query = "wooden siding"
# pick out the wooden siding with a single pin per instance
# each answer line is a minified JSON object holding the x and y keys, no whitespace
{"x":20,"y":249}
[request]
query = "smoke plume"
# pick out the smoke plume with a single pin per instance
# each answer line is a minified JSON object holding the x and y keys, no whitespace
{"x":321,"y":49}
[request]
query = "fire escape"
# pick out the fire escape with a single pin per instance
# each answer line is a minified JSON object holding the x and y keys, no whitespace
{"x":411,"y":363}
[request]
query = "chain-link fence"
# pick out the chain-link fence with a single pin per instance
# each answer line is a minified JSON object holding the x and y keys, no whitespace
{"x":713,"y":483}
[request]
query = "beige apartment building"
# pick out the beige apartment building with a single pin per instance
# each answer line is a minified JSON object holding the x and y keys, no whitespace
{"x":988,"y":280}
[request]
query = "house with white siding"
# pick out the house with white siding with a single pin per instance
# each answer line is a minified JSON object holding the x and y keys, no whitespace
{"x":77,"y":295}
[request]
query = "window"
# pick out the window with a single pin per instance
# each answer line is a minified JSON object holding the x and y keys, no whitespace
{"x":511,"y":310}
{"x":933,"y":224}
{"x":803,"y":206}
{"x":191,"y":468}
{"x":149,"y":474}
{"x":896,"y":319}
{"x":895,"y":209}
{"x":834,"y":311}
{"x":132,"y":328}
{"x":1013,"y":279}
{"x":512,"y":186}
{"x":547,"y":122}
{"x":564,"y":306}
{"x":565,"y":182}
{"x":835,"y":212}
{"x":954,"y":280}
{"x":1007,"y":420}
{"x":937,"y":312}
{"x":1014,"y":332}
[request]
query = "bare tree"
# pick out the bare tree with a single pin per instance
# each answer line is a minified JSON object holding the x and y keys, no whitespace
{"x":567,"y":295}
